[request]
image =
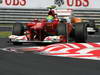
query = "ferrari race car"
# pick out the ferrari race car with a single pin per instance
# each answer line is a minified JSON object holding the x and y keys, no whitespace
{"x":52,"y":30}
{"x":91,"y":27}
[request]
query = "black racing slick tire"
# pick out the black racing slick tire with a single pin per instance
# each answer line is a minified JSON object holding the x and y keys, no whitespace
{"x":80,"y":32}
{"x":18,"y":29}
{"x":62,"y":29}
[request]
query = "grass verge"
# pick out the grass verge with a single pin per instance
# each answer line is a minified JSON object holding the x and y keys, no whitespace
{"x":6,"y":24}
{"x":4,"y":34}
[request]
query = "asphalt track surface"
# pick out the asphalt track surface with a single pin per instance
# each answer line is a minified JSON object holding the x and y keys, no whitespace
{"x":33,"y":64}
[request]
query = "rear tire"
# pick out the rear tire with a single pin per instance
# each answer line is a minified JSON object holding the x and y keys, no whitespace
{"x":80,"y":32}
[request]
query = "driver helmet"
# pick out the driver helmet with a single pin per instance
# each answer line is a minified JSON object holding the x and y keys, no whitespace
{"x":50,"y":18}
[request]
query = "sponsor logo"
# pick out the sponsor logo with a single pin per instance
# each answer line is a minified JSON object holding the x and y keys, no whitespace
{"x":71,"y":3}
{"x":59,"y":2}
{"x":15,"y":2}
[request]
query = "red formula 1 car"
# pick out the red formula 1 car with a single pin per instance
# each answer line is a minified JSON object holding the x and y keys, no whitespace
{"x":57,"y":30}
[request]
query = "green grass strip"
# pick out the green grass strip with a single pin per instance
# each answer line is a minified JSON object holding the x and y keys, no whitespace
{"x":4,"y":34}
{"x":6,"y":24}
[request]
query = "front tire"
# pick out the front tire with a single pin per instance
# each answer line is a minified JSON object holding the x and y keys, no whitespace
{"x":62,"y":30}
{"x":18,"y":29}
